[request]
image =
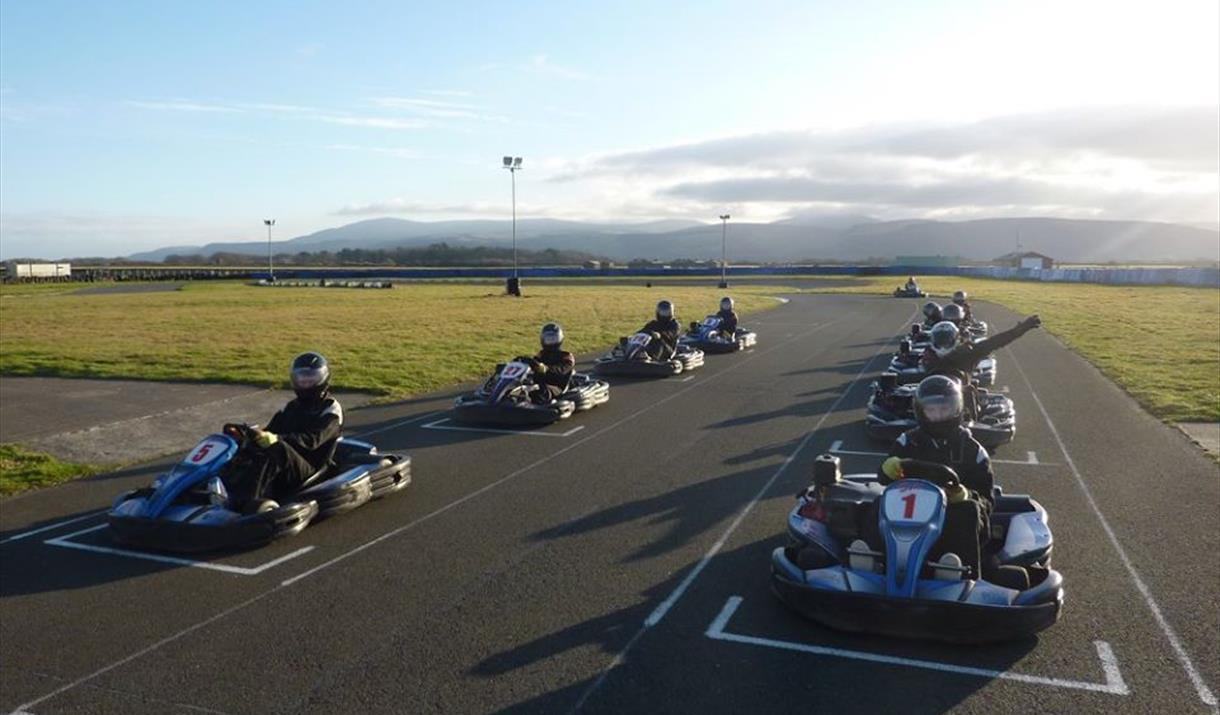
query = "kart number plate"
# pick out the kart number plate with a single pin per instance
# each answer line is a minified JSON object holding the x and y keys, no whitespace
{"x":911,"y":503}
{"x":640,"y":339}
{"x":514,"y":370}
{"x":205,"y":452}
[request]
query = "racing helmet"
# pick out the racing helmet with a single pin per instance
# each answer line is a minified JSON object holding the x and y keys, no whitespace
{"x":953,"y":313}
{"x":931,"y":310}
{"x":939,"y":406}
{"x":726,"y":303}
{"x":959,"y":297}
{"x":665,"y":310}
{"x":904,"y":347}
{"x":551,"y":335}
{"x":310,"y":377}
{"x":944,"y":338}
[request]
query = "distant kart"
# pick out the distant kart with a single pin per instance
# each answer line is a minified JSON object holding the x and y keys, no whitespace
{"x":187,"y":508}
{"x":708,"y":337}
{"x":630,"y":358}
{"x":977,"y":329}
{"x":990,"y":417}
{"x":506,"y":398}
{"x":842,"y":583}
{"x":910,"y":292}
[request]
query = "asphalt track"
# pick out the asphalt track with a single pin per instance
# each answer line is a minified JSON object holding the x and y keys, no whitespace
{"x":618,"y":562}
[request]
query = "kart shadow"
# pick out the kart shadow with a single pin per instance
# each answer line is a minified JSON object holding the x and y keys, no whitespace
{"x":811,"y":409}
{"x":847,"y":367}
{"x":675,"y":667}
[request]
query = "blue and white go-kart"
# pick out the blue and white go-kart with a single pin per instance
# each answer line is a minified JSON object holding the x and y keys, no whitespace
{"x":188,"y":508}
{"x":630,"y":358}
{"x":842,"y":583}
{"x":506,"y":398}
{"x":710,"y":338}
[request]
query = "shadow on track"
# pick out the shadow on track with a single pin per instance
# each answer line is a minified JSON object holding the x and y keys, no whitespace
{"x":675,"y":668}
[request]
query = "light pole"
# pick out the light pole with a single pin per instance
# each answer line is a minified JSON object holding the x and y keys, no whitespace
{"x":269,"y":222}
{"x":513,"y":164}
{"x":724,"y":244}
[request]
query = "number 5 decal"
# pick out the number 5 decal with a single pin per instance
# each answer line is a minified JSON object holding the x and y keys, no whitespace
{"x":202,"y":452}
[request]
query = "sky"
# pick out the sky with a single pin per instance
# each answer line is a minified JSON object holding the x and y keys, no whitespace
{"x":126,"y":126}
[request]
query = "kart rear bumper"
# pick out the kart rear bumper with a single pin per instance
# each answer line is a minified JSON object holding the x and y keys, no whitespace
{"x":637,"y":368}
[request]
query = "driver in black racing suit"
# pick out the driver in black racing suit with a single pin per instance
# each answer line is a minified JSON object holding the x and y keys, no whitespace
{"x":960,"y":298}
{"x":931,"y":314}
{"x":949,"y":356}
{"x":728,"y":317}
{"x":553,"y":366}
{"x":665,"y":331}
{"x":298,"y":441}
{"x":941,"y":438}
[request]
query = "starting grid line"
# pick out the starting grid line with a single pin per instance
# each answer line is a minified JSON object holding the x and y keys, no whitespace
{"x":1031,"y":458}
{"x":441,"y":425}
{"x":1113,"y":685}
{"x":66,"y":542}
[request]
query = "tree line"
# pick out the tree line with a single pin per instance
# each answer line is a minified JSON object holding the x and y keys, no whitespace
{"x":434,"y":255}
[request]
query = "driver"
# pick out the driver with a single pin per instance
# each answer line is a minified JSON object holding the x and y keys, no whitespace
{"x":954,"y":314}
{"x":941,"y":438}
{"x":959,"y":298}
{"x":949,"y":356}
{"x":553,"y":366}
{"x":299,"y":440}
{"x":911,"y":284}
{"x":728,"y":317}
{"x":931,"y":314}
{"x":665,"y":330}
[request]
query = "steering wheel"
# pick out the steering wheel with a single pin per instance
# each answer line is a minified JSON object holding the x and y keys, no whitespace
{"x":939,"y":474}
{"x":241,"y":432}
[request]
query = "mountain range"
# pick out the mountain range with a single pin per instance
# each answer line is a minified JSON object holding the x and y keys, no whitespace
{"x":837,"y":238}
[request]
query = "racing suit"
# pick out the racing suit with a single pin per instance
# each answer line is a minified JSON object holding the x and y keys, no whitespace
{"x":307,"y":433}
{"x":728,"y":322}
{"x":553,"y":369}
{"x":668,"y":330}
{"x":961,"y":361}
{"x":967,"y":522}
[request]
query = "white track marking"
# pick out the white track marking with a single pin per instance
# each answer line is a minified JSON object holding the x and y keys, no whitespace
{"x":65,"y":542}
{"x":1114,"y":684}
{"x":687,"y":379}
{"x":258,"y":597}
{"x":1031,"y":459}
{"x":1205,"y":693}
{"x":441,"y":424}
{"x":658,"y":614}
{"x":392,"y":425}
{"x":50,"y":527}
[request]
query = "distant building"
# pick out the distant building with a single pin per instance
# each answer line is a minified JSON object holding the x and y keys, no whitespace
{"x":27,"y":271}
{"x":927,"y":261}
{"x":1026,"y":259}
{"x":593,"y":265}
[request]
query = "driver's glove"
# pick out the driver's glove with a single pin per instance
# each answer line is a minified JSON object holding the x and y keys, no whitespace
{"x":892,"y":468}
{"x":266,"y":439}
{"x":539,"y":367}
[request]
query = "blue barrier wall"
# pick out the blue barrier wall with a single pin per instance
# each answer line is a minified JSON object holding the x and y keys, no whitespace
{"x":1109,"y":276}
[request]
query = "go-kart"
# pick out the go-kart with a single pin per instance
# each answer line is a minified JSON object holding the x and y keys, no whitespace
{"x":188,"y":508}
{"x":829,"y":574}
{"x":910,"y":292}
{"x":630,"y":358}
{"x":710,"y":338}
{"x":507,"y":398}
{"x":990,"y":417}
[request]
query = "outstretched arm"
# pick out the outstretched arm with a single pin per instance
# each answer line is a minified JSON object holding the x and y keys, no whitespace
{"x":995,"y":342}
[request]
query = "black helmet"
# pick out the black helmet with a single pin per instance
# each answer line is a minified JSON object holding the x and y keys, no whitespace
{"x":959,"y":297}
{"x":552,"y":335}
{"x":904,"y":347}
{"x":665,"y":310}
{"x":944,"y":338}
{"x":939,"y":405}
{"x":953,"y":313}
{"x":310,"y":377}
{"x":726,"y":303}
{"x":931,"y":310}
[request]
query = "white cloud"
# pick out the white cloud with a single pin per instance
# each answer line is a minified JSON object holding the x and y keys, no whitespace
{"x":542,"y":64}
{"x":397,"y":206}
{"x":182,"y":105}
{"x":293,"y":111}
{"x":394,"y":151}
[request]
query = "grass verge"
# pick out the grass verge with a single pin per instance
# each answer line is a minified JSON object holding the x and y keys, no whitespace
{"x":22,"y":469}
{"x":412,"y":339}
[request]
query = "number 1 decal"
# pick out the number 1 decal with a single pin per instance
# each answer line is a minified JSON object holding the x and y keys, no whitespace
{"x":910,"y":502}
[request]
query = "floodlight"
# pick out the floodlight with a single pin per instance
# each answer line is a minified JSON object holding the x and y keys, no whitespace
{"x":508,"y":161}
{"x":517,"y":162}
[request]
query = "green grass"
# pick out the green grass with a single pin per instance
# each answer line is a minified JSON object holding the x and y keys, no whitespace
{"x":1160,"y":343}
{"x":412,"y":339}
{"x":22,"y":469}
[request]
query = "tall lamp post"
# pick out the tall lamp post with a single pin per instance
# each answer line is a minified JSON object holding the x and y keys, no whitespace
{"x":513,"y":164}
{"x":269,"y":222}
{"x":724,"y":234}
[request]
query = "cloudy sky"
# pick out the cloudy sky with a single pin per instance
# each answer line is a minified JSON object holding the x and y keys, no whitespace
{"x":133,"y":125}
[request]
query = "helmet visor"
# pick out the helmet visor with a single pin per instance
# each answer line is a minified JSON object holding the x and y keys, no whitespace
{"x":304,"y":378}
{"x":941,"y":409}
